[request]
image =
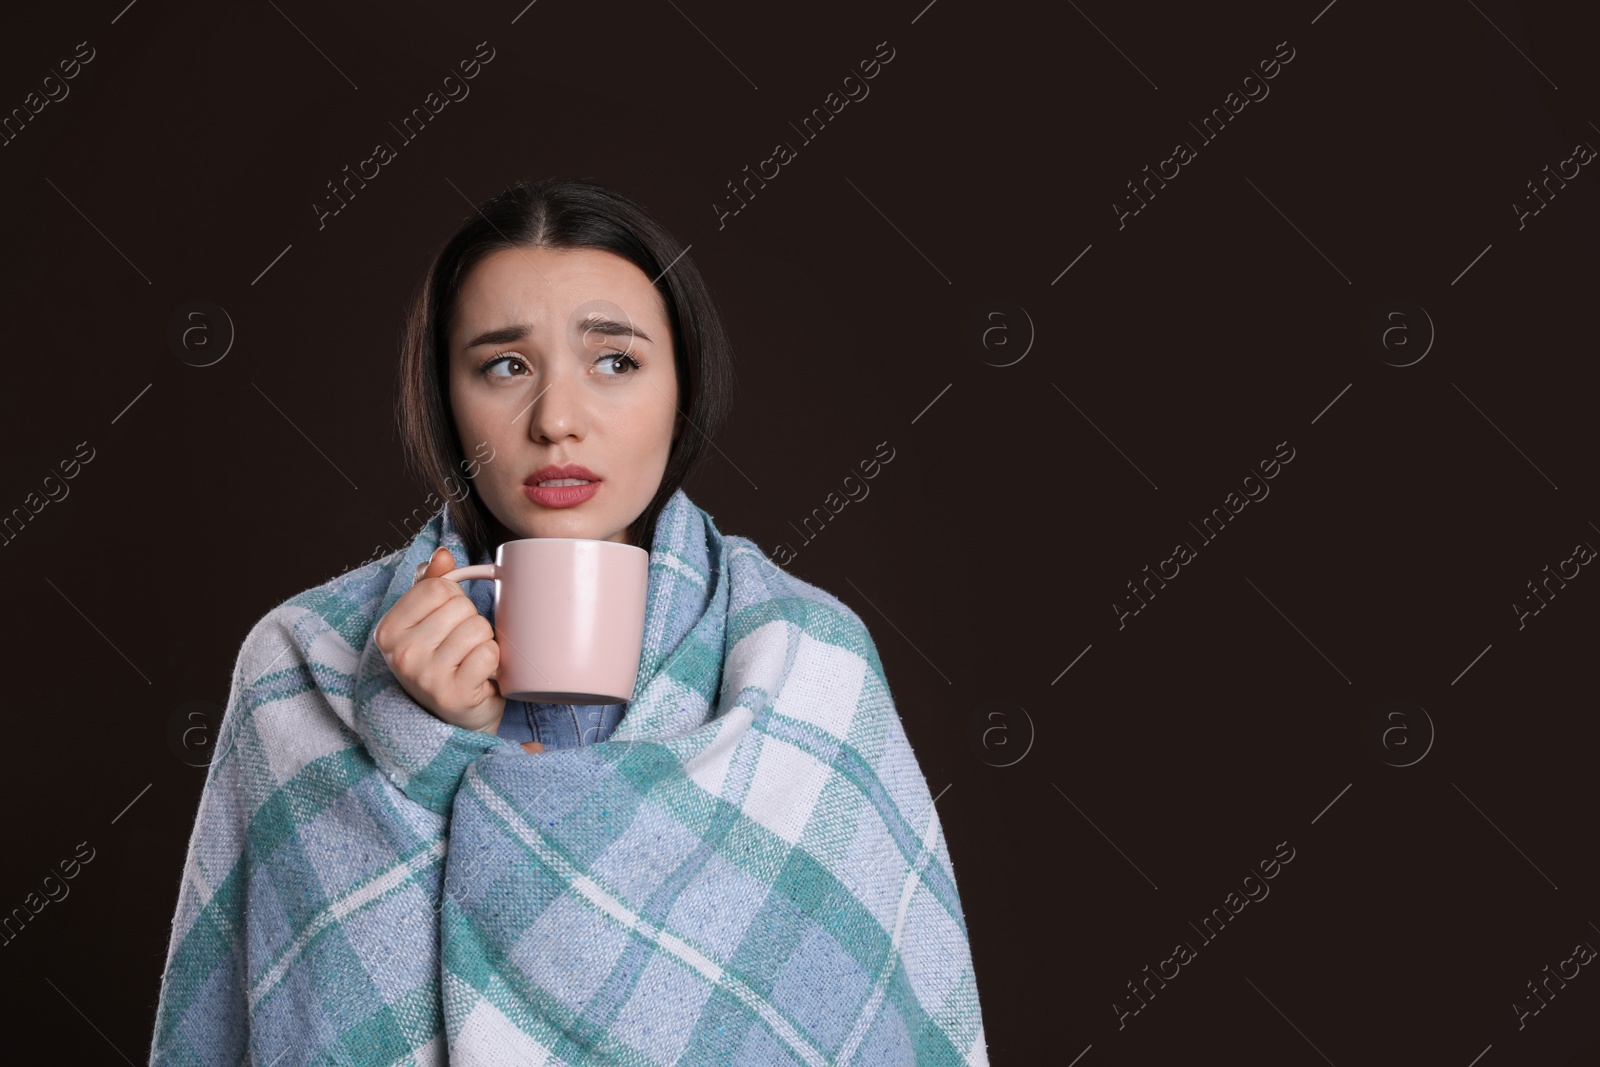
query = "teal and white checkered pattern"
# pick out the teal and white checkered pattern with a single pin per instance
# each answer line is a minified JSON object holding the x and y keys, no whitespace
{"x":750,"y":870}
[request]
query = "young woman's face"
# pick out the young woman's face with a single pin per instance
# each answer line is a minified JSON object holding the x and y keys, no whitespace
{"x":563,"y":356}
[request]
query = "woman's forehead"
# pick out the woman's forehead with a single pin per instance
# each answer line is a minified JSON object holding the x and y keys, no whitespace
{"x":560,"y":288}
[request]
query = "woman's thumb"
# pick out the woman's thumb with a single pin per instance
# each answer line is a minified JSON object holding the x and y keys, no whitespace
{"x":441,"y":562}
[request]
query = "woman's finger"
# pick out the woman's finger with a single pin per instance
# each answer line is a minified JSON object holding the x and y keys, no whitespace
{"x":467,"y":635}
{"x":435,"y":628}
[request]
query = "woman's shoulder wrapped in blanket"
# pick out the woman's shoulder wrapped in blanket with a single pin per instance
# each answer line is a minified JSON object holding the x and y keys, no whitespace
{"x":749,"y":870}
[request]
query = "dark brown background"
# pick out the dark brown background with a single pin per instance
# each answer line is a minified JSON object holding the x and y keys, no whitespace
{"x":1175,"y":354}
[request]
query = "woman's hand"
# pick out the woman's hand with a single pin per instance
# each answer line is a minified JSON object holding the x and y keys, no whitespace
{"x":442,"y":651}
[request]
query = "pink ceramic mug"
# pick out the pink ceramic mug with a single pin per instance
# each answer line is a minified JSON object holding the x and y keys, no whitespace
{"x":569,"y":618}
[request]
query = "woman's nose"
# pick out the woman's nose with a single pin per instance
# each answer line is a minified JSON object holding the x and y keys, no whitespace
{"x":557,"y":407}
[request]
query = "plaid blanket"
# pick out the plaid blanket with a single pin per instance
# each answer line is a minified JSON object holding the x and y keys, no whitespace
{"x":749,"y":870}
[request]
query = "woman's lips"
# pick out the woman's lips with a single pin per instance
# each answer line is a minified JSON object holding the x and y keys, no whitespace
{"x":561,"y":496}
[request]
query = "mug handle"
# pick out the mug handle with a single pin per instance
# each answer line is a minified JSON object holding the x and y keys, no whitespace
{"x":467,"y":574}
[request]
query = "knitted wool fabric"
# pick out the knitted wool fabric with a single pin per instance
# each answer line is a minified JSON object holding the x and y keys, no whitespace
{"x":748,"y":870}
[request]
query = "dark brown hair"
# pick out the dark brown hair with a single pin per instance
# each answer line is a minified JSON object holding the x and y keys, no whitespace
{"x":565,"y":214}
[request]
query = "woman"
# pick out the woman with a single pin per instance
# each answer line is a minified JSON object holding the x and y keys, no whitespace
{"x":392,"y":864}
{"x":565,"y":283}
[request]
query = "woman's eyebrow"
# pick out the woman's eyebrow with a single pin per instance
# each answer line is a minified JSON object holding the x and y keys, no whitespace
{"x":613,"y":328}
{"x":503,"y":335}
{"x":519,"y":331}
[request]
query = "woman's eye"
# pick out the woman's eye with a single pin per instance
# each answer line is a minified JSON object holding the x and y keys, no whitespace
{"x":508,"y":359}
{"x":620,"y":365}
{"x":617,"y":361}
